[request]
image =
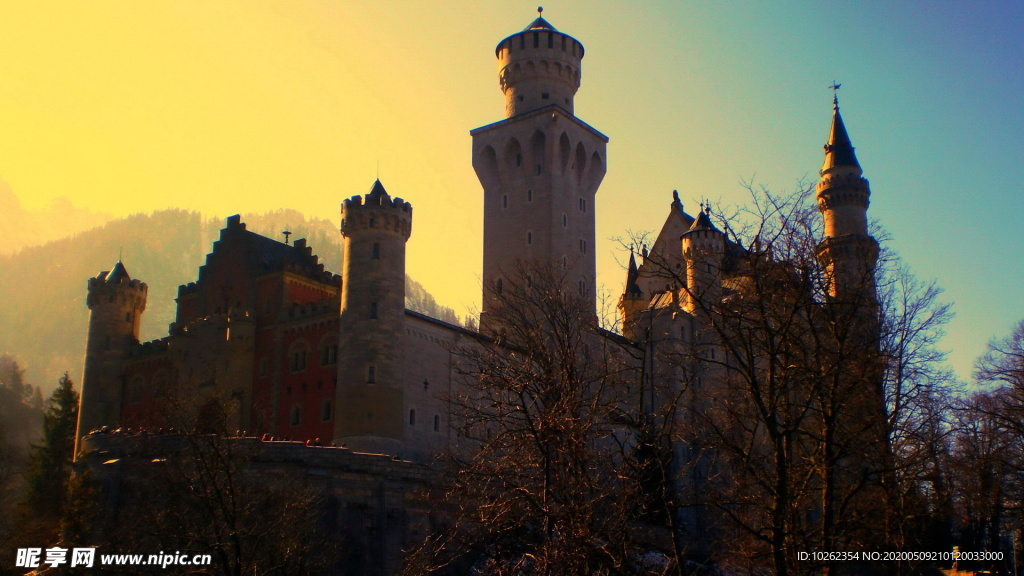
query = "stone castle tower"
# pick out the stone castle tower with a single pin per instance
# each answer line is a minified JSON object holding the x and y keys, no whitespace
{"x":703,"y":249}
{"x":370,"y":394}
{"x":849,"y":253}
{"x":540,"y":167}
{"x":116,"y":303}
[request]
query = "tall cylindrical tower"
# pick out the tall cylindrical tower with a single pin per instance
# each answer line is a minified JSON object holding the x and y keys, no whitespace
{"x":369,"y":396}
{"x":540,"y":169}
{"x":704,"y":249}
{"x":848,"y":253}
{"x":538,"y":67}
{"x":116,"y":303}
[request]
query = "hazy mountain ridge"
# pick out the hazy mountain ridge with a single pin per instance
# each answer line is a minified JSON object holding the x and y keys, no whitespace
{"x":43,"y":316}
{"x":24,"y":227}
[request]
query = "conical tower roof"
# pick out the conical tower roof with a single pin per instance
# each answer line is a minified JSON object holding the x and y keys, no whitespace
{"x":118,"y":273}
{"x":540,"y":24}
{"x":703,"y":222}
{"x":839,"y":149}
{"x":632,"y":288}
{"x":377,"y":193}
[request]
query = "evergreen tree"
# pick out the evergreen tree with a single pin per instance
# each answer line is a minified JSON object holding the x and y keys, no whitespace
{"x":50,"y":465}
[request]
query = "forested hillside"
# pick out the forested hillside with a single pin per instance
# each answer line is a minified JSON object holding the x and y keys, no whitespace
{"x":43,"y":317}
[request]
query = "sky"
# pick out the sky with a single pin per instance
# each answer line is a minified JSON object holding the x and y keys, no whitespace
{"x":109,"y":108}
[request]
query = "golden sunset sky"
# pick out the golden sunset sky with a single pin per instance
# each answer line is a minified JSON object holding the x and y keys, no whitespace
{"x":109,"y":108}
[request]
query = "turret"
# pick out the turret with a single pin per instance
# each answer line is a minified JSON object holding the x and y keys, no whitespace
{"x":848,"y":253}
{"x":632,"y":301}
{"x":703,"y":249}
{"x":540,"y":168}
{"x":116,"y":303}
{"x":538,"y":67}
{"x":369,"y":395}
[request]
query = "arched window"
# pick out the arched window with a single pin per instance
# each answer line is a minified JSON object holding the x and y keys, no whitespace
{"x":298,"y":356}
{"x":412,"y":417}
{"x":437,"y":423}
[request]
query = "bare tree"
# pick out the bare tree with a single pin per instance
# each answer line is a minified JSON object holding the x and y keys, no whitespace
{"x":799,"y":393}
{"x":540,"y":480}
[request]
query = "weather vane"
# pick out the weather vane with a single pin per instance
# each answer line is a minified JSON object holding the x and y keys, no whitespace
{"x":835,"y":93}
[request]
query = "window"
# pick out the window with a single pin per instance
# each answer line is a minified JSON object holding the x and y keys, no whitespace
{"x":529,"y":195}
{"x":540,"y":170}
{"x":519,"y":160}
{"x":127,"y":316}
{"x":325,"y":411}
{"x":529,"y":237}
{"x":373,"y":310}
{"x":371,"y":223}
{"x":296,"y":417}
{"x":412,"y":417}
{"x":298,"y":358}
{"x":329,"y":355}
{"x":371,"y":374}
{"x":376,"y":250}
{"x":545,"y":96}
{"x":583,"y":288}
{"x":437,"y":423}
{"x":497,"y":287}
{"x":504,"y":201}
{"x":565,"y":221}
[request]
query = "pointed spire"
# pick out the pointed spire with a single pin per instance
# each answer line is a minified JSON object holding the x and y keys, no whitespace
{"x":703,"y":221}
{"x":839,"y":149}
{"x":377,"y":193}
{"x":632,"y":276}
{"x":540,"y":23}
{"x":118,"y":273}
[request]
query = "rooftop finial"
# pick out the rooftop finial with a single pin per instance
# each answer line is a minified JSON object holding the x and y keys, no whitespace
{"x":286,"y":233}
{"x":119,"y":250}
{"x":540,"y":10}
{"x":835,"y":94}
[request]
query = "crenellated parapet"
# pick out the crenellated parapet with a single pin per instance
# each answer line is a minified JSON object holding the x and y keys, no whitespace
{"x":537,"y":67}
{"x":377,"y":211}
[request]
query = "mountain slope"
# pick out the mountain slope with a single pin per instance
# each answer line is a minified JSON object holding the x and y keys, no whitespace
{"x":43,"y":317}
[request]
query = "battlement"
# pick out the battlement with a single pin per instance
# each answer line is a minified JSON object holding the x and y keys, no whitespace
{"x":538,"y":67}
{"x":116,"y":287}
{"x":376,"y":210}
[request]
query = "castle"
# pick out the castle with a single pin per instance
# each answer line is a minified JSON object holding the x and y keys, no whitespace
{"x":268,"y":341}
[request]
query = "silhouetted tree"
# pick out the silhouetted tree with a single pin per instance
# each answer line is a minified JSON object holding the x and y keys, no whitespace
{"x":50,"y":463}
